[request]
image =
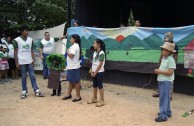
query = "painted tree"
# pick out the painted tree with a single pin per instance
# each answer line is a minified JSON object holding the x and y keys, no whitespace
{"x":131,"y":21}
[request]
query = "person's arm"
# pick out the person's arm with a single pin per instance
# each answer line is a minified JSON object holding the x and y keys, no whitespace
{"x":56,"y":39}
{"x":70,"y":54}
{"x":101,"y":58}
{"x":1,"y":56}
{"x":15,"y":45}
{"x":40,"y":51}
{"x":168,"y":72}
{"x":32,"y":53}
{"x":98,"y":68}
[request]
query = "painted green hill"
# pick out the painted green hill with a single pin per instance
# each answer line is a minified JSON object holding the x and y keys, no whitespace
{"x":130,"y":42}
{"x":184,"y":41}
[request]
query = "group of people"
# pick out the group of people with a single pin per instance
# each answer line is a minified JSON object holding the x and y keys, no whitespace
{"x":7,"y":63}
{"x":24,"y":60}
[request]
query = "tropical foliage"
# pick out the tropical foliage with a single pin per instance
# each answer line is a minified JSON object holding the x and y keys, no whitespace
{"x":36,"y":14}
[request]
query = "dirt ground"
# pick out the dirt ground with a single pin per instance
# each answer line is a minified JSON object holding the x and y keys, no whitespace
{"x":125,"y":106}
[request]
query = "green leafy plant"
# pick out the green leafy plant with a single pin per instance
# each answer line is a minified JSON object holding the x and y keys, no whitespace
{"x":56,"y":61}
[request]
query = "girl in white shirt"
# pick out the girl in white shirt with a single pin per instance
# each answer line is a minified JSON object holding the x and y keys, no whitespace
{"x":98,"y":72}
{"x":73,"y":67}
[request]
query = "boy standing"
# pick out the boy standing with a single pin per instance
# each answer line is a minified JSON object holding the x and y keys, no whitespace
{"x":24,"y":59}
{"x":165,"y":78}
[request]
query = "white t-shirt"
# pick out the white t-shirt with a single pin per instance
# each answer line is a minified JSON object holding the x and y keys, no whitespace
{"x":11,"y":51}
{"x":74,"y":63}
{"x":96,"y":62}
{"x":48,"y":46}
{"x":24,"y":50}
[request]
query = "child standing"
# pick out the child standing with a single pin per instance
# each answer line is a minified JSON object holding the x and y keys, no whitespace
{"x":165,"y":79}
{"x":11,"y":60}
{"x":98,"y":71}
{"x":4,"y":66}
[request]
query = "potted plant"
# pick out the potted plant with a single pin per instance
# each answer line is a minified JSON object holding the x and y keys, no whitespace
{"x":56,"y":64}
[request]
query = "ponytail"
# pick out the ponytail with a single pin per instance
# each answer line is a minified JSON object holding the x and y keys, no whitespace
{"x":102,"y":46}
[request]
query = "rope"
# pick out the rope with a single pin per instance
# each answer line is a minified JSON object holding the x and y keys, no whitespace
{"x":149,"y":81}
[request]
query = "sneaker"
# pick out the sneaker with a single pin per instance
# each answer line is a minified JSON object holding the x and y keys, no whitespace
{"x":100,"y":103}
{"x":6,"y":80}
{"x":1,"y":82}
{"x":159,"y":119}
{"x":169,"y":116}
{"x":155,"y":95}
{"x":93,"y":100}
{"x":38,"y":93}
{"x":24,"y":95}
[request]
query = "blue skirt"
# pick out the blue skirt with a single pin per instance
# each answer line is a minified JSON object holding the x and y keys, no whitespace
{"x":73,"y":75}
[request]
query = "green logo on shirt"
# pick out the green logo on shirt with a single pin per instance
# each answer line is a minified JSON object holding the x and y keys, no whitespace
{"x":26,"y":46}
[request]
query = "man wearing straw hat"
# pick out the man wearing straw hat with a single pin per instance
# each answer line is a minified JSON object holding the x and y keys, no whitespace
{"x":165,"y":78}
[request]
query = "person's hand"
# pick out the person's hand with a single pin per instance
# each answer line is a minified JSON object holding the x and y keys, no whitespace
{"x":33,"y":62}
{"x":18,"y":66}
{"x":62,"y":37}
{"x":156,"y":71}
{"x":41,"y":57}
{"x":93,"y":74}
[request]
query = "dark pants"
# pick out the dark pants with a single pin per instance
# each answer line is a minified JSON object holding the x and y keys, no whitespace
{"x":59,"y":89}
{"x":98,"y":80}
{"x":45,"y":68}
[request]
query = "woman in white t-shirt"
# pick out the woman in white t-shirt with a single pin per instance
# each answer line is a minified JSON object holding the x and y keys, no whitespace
{"x":73,"y":67}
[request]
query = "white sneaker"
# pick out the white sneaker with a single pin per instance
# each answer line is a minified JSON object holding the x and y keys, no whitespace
{"x":24,"y":94}
{"x":38,"y":93}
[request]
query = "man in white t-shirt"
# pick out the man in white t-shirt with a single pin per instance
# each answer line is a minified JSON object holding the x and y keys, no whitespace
{"x":46,"y":48}
{"x":24,"y":59}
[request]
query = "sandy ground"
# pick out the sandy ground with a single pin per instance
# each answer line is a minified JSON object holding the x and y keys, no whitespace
{"x":125,"y":106}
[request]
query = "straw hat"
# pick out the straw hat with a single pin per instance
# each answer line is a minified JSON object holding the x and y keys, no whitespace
{"x":168,"y":46}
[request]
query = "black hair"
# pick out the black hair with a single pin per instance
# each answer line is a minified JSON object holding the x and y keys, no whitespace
{"x":91,"y":47}
{"x":76,"y":21}
{"x":102,"y":46}
{"x":23,"y":27}
{"x":138,"y":21}
{"x":78,"y":41}
{"x":46,"y":33}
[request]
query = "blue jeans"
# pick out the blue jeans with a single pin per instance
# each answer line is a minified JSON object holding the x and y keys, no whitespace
{"x":30,"y":69}
{"x":45,"y":68}
{"x":164,"y":88}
